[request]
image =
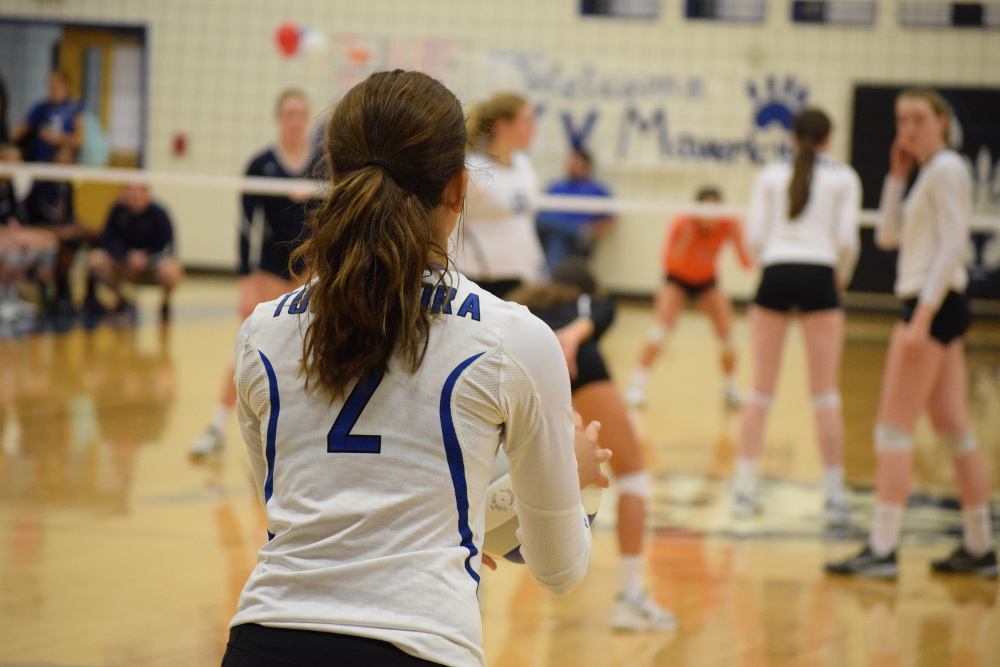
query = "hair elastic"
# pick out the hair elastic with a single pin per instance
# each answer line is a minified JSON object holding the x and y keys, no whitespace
{"x":377,"y":163}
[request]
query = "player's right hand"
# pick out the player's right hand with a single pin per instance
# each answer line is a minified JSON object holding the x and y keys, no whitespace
{"x":589,"y":454}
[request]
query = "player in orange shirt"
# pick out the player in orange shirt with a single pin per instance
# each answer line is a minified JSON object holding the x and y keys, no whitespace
{"x":689,"y":263}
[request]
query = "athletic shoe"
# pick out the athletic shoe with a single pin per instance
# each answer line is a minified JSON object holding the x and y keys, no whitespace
{"x":126,"y":314}
{"x":93,"y":314}
{"x":837,"y":512}
{"x":640,"y":614}
{"x":211,"y":443}
{"x":732,"y":398}
{"x":746,"y":505}
{"x":635,"y":396}
{"x":963,"y":562}
{"x":867,"y":564}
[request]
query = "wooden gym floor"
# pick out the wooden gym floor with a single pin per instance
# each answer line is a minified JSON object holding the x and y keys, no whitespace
{"x":116,"y":551}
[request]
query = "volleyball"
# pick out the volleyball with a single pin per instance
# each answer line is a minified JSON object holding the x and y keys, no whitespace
{"x":501,"y":539}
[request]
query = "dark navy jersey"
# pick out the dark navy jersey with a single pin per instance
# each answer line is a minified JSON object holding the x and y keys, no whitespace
{"x":277,"y":222}
{"x":150,"y":231}
{"x":49,"y":203}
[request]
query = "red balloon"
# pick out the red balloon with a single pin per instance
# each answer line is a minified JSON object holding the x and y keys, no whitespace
{"x":287,"y":37}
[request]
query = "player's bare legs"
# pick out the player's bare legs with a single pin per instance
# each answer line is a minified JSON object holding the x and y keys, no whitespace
{"x":767,"y":337}
{"x":824,"y":336}
{"x":670,"y":301}
{"x":255,"y":288}
{"x":600,"y":401}
{"x":716,"y":305}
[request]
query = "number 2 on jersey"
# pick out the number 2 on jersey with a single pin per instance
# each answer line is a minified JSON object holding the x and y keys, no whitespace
{"x":340,"y":439}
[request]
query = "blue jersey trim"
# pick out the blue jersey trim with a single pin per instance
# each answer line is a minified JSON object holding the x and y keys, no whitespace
{"x":456,"y":463}
{"x":272,"y":430}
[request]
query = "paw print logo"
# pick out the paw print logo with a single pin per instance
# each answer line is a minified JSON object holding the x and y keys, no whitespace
{"x":777,"y":102}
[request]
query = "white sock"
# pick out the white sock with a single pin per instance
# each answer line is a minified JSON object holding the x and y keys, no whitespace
{"x":220,"y":420}
{"x":639,"y":377}
{"x":631,"y":571}
{"x":886,"y":526}
{"x":833,"y":482}
{"x":745,"y":480}
{"x":977,"y":531}
{"x":729,"y":383}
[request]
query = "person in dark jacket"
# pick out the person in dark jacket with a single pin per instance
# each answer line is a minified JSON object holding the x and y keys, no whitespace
{"x":136,"y":245}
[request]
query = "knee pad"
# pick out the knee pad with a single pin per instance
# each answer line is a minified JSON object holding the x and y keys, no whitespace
{"x":828,"y":399}
{"x":656,"y":334}
{"x":892,"y":439}
{"x":959,"y":444}
{"x":634,"y":484}
{"x":758,"y":398}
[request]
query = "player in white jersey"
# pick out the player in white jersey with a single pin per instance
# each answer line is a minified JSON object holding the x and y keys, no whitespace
{"x":374,"y":400}
{"x":925,"y":363}
{"x":802,"y":227}
{"x":498,"y":246}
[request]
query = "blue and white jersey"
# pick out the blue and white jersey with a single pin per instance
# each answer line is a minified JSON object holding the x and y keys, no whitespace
{"x":376,"y":502}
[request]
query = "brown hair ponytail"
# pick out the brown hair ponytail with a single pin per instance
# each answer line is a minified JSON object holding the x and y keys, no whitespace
{"x":812,"y":128}
{"x":393,"y":144}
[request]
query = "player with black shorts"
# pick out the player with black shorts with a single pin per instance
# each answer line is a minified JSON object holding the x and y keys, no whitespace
{"x":802,"y":227}
{"x":925,"y":364}
{"x":573,"y":307}
{"x":689,"y":264}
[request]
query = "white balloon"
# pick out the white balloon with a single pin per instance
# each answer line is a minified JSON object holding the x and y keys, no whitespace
{"x":315,"y":42}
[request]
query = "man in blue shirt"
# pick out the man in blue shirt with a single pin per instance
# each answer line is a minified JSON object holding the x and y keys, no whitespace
{"x":51,"y":124}
{"x":564,"y":233}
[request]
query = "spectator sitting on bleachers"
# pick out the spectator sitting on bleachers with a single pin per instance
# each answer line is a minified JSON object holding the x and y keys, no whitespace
{"x":49,"y":206}
{"x":136,"y":245}
{"x":24,"y":252}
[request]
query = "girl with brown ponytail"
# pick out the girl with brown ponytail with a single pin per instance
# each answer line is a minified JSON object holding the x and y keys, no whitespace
{"x":802,"y":227}
{"x":374,"y":399}
{"x":499,"y":246}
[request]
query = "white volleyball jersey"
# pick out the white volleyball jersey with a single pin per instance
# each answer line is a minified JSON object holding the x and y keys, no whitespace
{"x":931,"y":229}
{"x":498,"y":238}
{"x":825,"y":232}
{"x":376,"y":502}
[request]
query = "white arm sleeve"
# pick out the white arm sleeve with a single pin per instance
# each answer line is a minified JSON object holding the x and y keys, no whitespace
{"x":759,"y":216}
{"x":554,"y":533}
{"x":951,"y":191}
{"x":848,"y":245}
{"x":252,"y":401}
{"x":890,"y":221}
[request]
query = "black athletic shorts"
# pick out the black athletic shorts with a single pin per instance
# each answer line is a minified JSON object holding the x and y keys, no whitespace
{"x":276,"y":258}
{"x":808,"y":287}
{"x":590,"y":366}
{"x":254,"y":645}
{"x":951,"y":320}
{"x":692,"y":290}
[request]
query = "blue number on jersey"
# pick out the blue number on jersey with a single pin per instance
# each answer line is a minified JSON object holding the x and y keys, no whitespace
{"x":340,"y":439}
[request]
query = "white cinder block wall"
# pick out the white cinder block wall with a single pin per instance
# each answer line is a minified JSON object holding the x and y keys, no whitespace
{"x":214,"y":71}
